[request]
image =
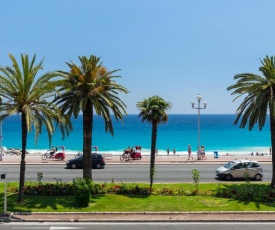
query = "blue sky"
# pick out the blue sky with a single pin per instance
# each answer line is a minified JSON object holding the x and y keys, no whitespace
{"x":175,"y":49}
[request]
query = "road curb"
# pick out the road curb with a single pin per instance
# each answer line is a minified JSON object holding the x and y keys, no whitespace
{"x":222,"y":216}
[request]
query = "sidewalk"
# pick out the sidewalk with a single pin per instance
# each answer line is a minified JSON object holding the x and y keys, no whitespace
{"x":142,"y":217}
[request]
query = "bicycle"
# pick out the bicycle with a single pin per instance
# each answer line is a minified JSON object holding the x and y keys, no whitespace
{"x":126,"y":158}
{"x":78,"y":155}
{"x":47,"y":155}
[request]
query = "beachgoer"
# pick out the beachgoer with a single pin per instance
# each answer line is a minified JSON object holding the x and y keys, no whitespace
{"x":168,"y":150}
{"x":199,"y":153}
{"x":174,"y":151}
{"x":270,"y":151}
{"x":189,"y":152}
{"x":156,"y":151}
{"x":203,"y":157}
{"x":257,"y":154}
{"x":252,"y":154}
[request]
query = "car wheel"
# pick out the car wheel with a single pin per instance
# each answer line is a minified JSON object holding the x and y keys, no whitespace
{"x":98,"y":166}
{"x":73,"y":166}
{"x":228,"y":177}
{"x":258,"y":177}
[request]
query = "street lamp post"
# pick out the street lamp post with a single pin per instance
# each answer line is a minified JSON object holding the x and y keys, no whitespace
{"x":199,"y":97}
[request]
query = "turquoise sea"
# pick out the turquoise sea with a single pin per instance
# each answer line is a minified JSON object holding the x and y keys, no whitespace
{"x":217,"y":133}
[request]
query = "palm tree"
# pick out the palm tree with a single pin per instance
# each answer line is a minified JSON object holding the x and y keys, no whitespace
{"x":23,"y":94}
{"x":258,"y":99}
{"x":153,"y":110}
{"x":91,"y":89}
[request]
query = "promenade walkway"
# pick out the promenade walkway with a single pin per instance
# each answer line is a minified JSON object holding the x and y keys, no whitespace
{"x":160,"y":159}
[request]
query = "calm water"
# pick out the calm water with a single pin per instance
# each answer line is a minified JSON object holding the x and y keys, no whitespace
{"x":217,"y":134}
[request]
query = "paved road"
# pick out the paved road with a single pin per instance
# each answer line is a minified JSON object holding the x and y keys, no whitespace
{"x":123,"y":173}
{"x":140,"y":226}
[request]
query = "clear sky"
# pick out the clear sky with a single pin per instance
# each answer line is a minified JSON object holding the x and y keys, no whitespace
{"x":175,"y":49}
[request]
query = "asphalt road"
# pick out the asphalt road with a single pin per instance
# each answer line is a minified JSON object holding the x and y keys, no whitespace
{"x":141,"y":226}
{"x":168,"y":173}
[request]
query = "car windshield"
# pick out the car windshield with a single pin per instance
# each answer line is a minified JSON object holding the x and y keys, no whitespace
{"x":229,"y":164}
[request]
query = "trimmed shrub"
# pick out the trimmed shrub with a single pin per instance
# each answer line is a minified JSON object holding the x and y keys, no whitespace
{"x":81,"y":192}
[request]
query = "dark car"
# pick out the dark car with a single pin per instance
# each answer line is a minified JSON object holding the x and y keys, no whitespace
{"x":98,"y":162}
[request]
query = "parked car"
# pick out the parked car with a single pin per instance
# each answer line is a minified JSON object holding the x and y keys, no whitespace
{"x":240,"y":169}
{"x":98,"y":162}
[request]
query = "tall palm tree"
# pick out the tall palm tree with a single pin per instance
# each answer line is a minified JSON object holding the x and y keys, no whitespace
{"x":258,"y":99}
{"x":91,"y":89}
{"x":153,"y":110}
{"x":23,"y":94}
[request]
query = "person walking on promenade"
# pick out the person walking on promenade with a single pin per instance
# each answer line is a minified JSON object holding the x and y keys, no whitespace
{"x":174,"y":151}
{"x":199,"y":153}
{"x":189,"y":152}
{"x":168,"y":150}
{"x":203,"y":157}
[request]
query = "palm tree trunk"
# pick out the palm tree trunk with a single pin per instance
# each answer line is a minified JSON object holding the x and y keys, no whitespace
{"x":23,"y":163}
{"x":153,"y":152}
{"x":272,"y":130}
{"x":87,"y":140}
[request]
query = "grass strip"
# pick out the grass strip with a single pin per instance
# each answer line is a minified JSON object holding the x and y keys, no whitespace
{"x":135,"y":203}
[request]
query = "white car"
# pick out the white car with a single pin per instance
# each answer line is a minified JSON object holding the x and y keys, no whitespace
{"x":240,"y":169}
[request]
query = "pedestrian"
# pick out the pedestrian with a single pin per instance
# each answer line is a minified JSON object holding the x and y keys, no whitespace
{"x":203,"y":157}
{"x":174,"y":151}
{"x":189,"y":152}
{"x":199,"y":153}
{"x":168,"y":150}
{"x":156,"y":151}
